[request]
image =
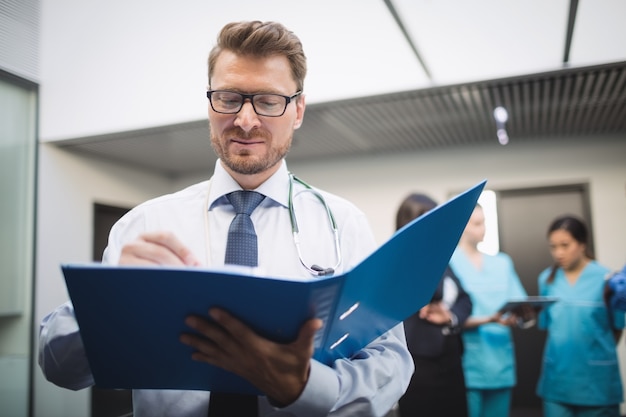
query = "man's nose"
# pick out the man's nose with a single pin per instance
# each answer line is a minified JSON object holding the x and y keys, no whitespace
{"x":247,"y":118}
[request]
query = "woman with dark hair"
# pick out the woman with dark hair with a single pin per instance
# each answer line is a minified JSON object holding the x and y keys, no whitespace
{"x":437,"y":387}
{"x":580,"y":374}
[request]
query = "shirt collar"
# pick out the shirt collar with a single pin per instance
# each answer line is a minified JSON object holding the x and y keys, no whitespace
{"x":275,"y":187}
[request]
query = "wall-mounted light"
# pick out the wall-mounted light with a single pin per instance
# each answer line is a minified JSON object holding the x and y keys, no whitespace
{"x":501,"y":116}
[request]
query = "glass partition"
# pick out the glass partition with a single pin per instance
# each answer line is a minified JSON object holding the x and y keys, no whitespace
{"x":18,"y":101}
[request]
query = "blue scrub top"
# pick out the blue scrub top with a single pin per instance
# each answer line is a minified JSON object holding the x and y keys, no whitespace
{"x":489,"y":357}
{"x":580,"y":364}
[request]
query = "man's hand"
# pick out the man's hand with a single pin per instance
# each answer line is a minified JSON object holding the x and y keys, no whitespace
{"x":157,"y":248}
{"x":281,"y":371}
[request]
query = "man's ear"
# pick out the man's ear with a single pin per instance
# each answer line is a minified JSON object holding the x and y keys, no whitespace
{"x":300,"y":107}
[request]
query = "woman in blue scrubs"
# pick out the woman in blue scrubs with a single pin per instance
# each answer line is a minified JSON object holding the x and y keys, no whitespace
{"x":489,"y":357}
{"x":580,"y":375}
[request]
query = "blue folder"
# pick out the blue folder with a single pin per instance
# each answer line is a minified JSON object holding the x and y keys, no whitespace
{"x":130,"y":318}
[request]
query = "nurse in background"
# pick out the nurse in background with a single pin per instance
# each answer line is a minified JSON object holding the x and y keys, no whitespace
{"x":489,"y":357}
{"x":580,"y":375}
{"x":437,"y":387}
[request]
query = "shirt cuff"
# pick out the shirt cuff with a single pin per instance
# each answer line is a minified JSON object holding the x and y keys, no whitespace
{"x":452,"y":327}
{"x":320,"y":393}
{"x":454,"y":321}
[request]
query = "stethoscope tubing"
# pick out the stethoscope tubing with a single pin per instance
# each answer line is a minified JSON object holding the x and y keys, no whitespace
{"x":313,"y":268}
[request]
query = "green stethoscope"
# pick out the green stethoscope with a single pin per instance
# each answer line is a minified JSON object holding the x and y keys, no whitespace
{"x":313,"y":269}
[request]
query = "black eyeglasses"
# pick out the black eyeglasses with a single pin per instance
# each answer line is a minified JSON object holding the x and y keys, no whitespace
{"x":230,"y":102}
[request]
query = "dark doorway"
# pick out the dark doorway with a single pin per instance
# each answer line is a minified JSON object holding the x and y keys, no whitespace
{"x":523,"y":218}
{"x":106,"y":402}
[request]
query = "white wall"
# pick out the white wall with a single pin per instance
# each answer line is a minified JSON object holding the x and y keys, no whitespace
{"x":69,"y":185}
{"x":378,"y":184}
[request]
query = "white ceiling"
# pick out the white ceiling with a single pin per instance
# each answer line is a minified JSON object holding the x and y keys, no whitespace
{"x":121,"y":65}
{"x":356,"y":49}
{"x":465,"y":41}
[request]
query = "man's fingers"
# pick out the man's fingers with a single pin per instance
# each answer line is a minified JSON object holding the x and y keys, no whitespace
{"x":171,"y":242}
{"x":140,"y":252}
{"x":240,"y":332}
{"x":160,"y":248}
{"x":307,"y":333}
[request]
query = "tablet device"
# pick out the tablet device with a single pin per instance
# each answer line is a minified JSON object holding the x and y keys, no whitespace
{"x":536,"y":302}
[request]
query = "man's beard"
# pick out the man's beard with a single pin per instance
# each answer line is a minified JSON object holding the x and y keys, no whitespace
{"x":244,"y":163}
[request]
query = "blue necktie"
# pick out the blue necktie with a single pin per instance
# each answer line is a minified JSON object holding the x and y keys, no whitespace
{"x":241,"y":249}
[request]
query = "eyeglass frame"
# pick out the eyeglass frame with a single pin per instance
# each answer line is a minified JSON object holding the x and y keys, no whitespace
{"x":244,"y":97}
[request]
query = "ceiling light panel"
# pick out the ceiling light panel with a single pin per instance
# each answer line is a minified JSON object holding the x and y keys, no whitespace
{"x":465,"y":41}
